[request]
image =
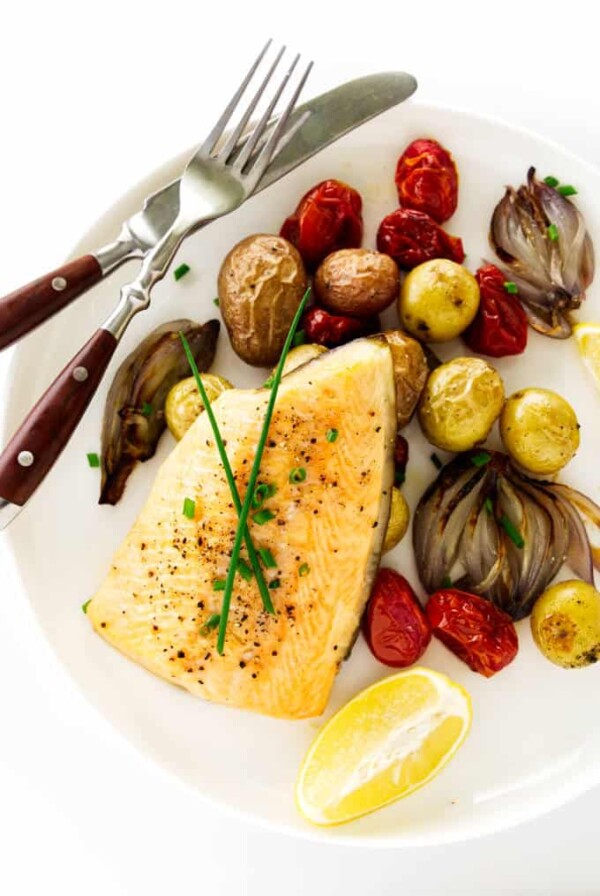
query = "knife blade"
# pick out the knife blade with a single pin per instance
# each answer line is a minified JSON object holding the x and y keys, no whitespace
{"x":332,"y":114}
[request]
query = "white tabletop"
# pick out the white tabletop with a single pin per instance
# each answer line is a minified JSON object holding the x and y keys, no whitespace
{"x":79,"y":811}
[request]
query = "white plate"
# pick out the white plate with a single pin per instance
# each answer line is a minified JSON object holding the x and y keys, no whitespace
{"x":532,"y":746}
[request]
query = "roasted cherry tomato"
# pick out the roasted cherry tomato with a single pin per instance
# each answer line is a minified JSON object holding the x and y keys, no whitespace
{"x":480,"y":634}
{"x":395,"y":626}
{"x":427,"y":180}
{"x":328,"y":217}
{"x":412,"y":237}
{"x":500,"y":327}
{"x":332,"y":330}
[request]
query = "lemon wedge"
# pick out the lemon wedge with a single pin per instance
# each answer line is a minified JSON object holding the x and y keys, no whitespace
{"x":587,"y":336}
{"x":385,"y":743}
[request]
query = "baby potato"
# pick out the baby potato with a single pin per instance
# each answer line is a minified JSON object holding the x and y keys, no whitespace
{"x":460,"y":403}
{"x":410,"y":372}
{"x":438,"y":300}
{"x":565,"y":623}
{"x":261,"y":284}
{"x":360,"y":282}
{"x":398,"y":521}
{"x":539,"y":430}
{"x":184,"y":402}
{"x":300,"y":355}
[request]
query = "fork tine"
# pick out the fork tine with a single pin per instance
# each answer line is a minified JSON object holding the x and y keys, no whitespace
{"x":266,"y":154}
{"x":225,"y":152}
{"x":211,"y":140}
{"x":256,"y":134}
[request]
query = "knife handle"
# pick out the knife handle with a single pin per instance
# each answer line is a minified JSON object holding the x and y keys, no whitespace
{"x":25,"y":308}
{"x":39,"y":441}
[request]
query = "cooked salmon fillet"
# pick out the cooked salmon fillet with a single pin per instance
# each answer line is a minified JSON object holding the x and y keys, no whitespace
{"x":326,"y":537}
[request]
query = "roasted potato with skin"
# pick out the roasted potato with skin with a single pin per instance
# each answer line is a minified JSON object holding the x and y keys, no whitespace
{"x":398,"y":522}
{"x":539,"y":430}
{"x":565,"y":623}
{"x":410,"y":371}
{"x":261,"y":284}
{"x":359,"y":282}
{"x":460,"y":403}
{"x":184,"y":402}
{"x":438,"y":300}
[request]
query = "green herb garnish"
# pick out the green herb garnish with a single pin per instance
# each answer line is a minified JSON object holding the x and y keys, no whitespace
{"x":436,"y":461}
{"x":446,"y":582}
{"x":216,"y":302}
{"x":263,"y":516}
{"x":551,"y":181}
{"x":235,"y":496}
{"x":181,"y":271}
{"x":567,"y":190}
{"x":219,"y":585}
{"x":488,"y":506}
{"x":274,"y":583}
{"x":481,"y":459}
{"x":553,"y":232}
{"x":512,"y":531}
{"x":254,"y":475}
{"x":331,"y":435}
{"x":146,"y":409}
{"x":303,"y":569}
{"x":267,"y":558}
{"x":244,"y":570}
{"x":262,"y":491}
{"x":93,"y":460}
{"x":299,"y":338}
{"x":298,"y":474}
{"x":511,"y":287}
{"x":268,"y":383}
{"x":189,"y":508}
{"x":399,"y":477}
{"x":86,"y":605}
{"x":211,"y":622}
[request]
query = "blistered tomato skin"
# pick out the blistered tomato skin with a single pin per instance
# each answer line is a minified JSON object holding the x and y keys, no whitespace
{"x":427,"y":180}
{"x":476,"y":631}
{"x":395,"y":626}
{"x":500,"y":327}
{"x":413,"y":237}
{"x":331,"y":330}
{"x":328,"y":218}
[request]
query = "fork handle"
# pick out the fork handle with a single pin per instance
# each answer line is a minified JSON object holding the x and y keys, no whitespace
{"x":40,"y":439}
{"x":25,"y":308}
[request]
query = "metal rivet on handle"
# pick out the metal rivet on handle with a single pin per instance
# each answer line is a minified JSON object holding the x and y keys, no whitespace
{"x":80,"y":374}
{"x":59,"y":283}
{"x":25,"y":458}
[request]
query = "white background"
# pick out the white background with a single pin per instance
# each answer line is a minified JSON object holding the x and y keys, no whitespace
{"x":93,"y":97}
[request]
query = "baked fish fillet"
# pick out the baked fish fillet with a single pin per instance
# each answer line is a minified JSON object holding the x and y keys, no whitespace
{"x":326,"y":538}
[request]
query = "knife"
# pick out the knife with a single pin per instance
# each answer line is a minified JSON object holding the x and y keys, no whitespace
{"x":332,"y":115}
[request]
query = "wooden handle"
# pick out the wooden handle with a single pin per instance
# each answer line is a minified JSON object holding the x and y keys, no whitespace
{"x":40,"y":439}
{"x":29,"y":306}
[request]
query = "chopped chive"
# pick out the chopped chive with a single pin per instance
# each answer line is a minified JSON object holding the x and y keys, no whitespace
{"x":511,"y":287}
{"x":146,"y":409}
{"x":244,"y":570}
{"x":219,"y":585}
{"x":399,"y":477}
{"x":567,"y":190}
{"x":86,"y":605}
{"x":553,"y":232}
{"x":481,"y":459}
{"x":216,"y":302}
{"x":258,"y":456}
{"x":263,"y":516}
{"x":211,"y":622}
{"x":331,"y":435}
{"x":436,"y":461}
{"x":93,"y":460}
{"x":488,"y":506}
{"x":181,"y":271}
{"x":512,"y":531}
{"x":299,"y":338}
{"x":189,"y":508}
{"x":274,"y":583}
{"x":551,"y":181}
{"x":269,"y":382}
{"x":446,"y":582}
{"x":235,"y":495}
{"x":298,"y":474}
{"x":267,"y":558}
{"x":262,"y":491}
{"x":303,"y":569}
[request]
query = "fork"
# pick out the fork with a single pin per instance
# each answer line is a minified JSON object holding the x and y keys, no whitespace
{"x":221,"y":175}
